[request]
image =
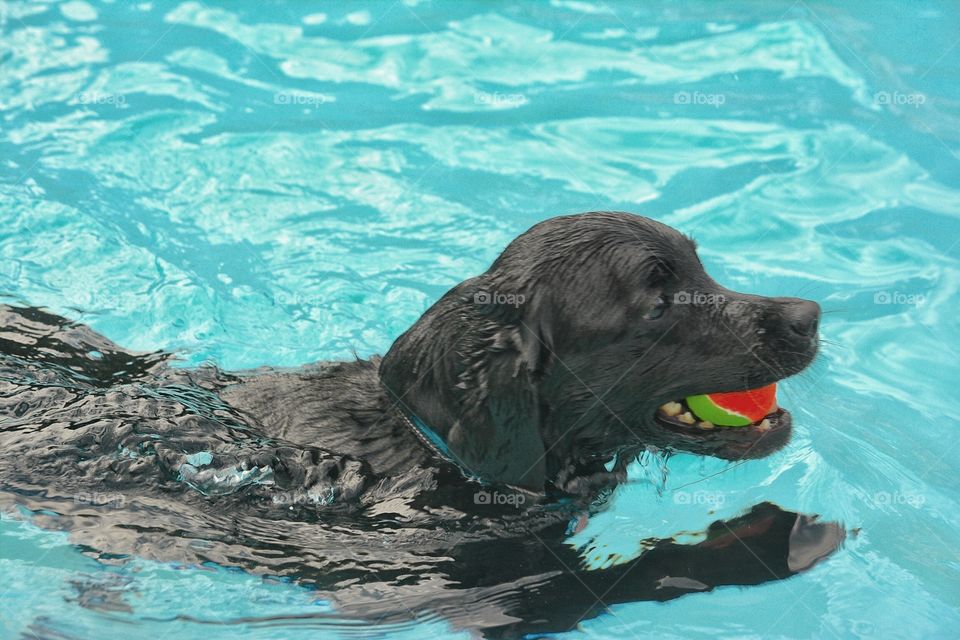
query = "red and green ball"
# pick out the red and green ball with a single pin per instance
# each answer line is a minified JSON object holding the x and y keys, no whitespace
{"x":735,"y":408}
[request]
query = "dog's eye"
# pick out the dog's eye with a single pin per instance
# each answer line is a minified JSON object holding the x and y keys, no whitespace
{"x":659,"y":306}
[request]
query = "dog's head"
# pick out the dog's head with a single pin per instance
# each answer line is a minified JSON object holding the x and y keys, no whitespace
{"x":567,"y":347}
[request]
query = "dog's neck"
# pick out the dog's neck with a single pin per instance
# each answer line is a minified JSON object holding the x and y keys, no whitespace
{"x":470,"y":381}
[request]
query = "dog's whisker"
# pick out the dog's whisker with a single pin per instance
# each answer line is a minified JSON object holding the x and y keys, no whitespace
{"x":828,"y":311}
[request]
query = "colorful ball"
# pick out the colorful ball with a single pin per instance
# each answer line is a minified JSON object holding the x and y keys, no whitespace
{"x":735,"y":408}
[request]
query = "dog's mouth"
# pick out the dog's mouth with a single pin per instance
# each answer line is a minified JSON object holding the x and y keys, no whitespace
{"x":755,"y":439}
{"x":679,"y":415}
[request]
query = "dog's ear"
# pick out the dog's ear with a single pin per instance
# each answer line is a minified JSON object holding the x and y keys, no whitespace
{"x":497,"y":433}
{"x":470,"y":369}
{"x":535,"y":339}
{"x":500,"y":441}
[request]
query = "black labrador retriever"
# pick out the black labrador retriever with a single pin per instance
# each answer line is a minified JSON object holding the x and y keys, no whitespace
{"x":445,"y":476}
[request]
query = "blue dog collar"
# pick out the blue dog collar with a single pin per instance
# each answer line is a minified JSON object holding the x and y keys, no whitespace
{"x":435,"y":444}
{"x":440,"y":449}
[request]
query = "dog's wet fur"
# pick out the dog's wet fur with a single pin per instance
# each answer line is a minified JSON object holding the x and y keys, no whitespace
{"x":546,"y":399}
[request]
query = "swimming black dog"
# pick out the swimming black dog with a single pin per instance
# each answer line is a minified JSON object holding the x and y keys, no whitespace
{"x":449,"y":470}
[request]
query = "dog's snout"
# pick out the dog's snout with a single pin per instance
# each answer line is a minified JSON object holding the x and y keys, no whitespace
{"x":789,"y":333}
{"x":802,"y":316}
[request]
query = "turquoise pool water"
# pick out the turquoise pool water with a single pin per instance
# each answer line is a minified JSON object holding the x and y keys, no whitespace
{"x":273,"y":184}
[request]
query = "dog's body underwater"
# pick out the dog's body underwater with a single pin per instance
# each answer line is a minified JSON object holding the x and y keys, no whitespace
{"x":376,"y":476}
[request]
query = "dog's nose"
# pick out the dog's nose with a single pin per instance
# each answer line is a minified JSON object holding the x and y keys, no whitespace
{"x":802,"y":316}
